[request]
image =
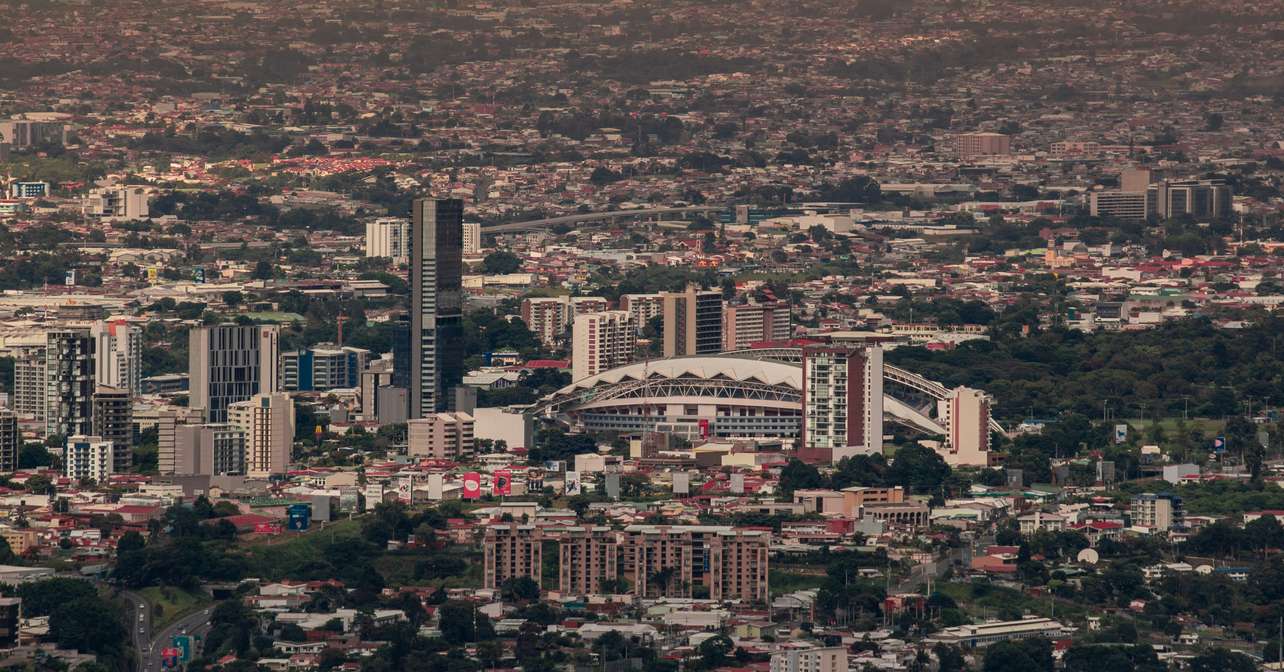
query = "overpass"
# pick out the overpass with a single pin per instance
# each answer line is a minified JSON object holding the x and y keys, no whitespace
{"x":537,"y":224}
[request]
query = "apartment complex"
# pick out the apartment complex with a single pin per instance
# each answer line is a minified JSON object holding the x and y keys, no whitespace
{"x":119,"y":355}
{"x":966,"y":416}
{"x":601,"y":341}
{"x":113,"y":421}
{"x":267,"y":420}
{"x":550,"y":317}
{"x":472,"y":239}
{"x":209,"y":450}
{"x":588,"y":558}
{"x":87,"y":458}
{"x":69,"y":382}
{"x":842,"y":401}
{"x":512,"y":551}
{"x":441,"y":436}
{"x":1159,"y":513}
{"x":719,"y":562}
{"x":692,"y":322}
{"x":643,"y":307}
{"x":975,"y":145}
{"x":748,"y":323}
{"x":10,"y":440}
{"x":30,"y":387}
{"x":229,"y":363}
{"x":322,"y":368}
{"x":117,"y":203}
{"x":389,"y":237}
{"x":811,"y":659}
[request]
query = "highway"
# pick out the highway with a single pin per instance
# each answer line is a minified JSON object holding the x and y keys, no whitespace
{"x":149,"y":645}
{"x":536,"y":224}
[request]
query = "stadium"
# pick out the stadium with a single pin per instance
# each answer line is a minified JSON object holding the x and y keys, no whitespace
{"x":746,"y":393}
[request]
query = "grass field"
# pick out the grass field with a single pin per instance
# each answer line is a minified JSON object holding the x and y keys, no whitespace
{"x":1169,"y":425}
{"x":988,"y":601}
{"x":277,"y":556}
{"x":173,"y":602}
{"x":782,"y":582}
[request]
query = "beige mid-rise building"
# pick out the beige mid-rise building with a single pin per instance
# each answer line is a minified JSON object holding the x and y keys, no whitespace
{"x":268,"y":423}
{"x":601,"y":341}
{"x":588,"y":557}
{"x":512,"y":551}
{"x":441,"y":436}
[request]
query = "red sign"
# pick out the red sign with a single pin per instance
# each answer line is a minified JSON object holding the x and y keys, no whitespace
{"x":503,"y":483}
{"x":704,"y":428}
{"x":472,"y":485}
{"x":169,"y":657}
{"x":267,"y":528}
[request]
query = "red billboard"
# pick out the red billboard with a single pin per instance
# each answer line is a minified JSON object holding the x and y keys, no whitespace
{"x":472,"y":485}
{"x":503,"y":483}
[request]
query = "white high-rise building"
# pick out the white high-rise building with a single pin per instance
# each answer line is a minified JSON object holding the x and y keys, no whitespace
{"x":472,"y":239}
{"x":966,"y":416}
{"x":549,"y":317}
{"x":389,"y":237}
{"x":268,"y":423}
{"x":228,"y":363}
{"x":119,"y":355}
{"x":842,"y":401}
{"x":29,"y":382}
{"x":87,"y":457}
{"x":601,"y":341}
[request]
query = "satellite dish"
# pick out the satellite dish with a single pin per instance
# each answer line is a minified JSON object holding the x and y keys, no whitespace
{"x":1088,"y":556}
{"x":1204,"y":569}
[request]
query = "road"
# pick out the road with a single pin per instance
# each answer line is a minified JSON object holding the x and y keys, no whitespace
{"x":919,"y":573}
{"x":149,"y":645}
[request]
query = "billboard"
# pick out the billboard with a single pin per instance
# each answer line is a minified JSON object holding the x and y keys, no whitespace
{"x":737,"y":484}
{"x":406,"y":489}
{"x":472,"y":485}
{"x":503,"y":484}
{"x":613,"y":486}
{"x":1219,"y":444}
{"x":267,"y":528}
{"x":1121,"y":433}
{"x":681,"y":483}
{"x":436,"y":487}
{"x":573,"y":485}
{"x":184,"y":645}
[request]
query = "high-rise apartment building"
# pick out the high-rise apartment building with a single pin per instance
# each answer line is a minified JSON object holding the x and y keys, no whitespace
{"x":974,"y":145}
{"x":268,"y":423}
{"x":322,"y":368}
{"x":966,"y":416}
{"x":550,"y":317}
{"x":389,"y":237}
{"x":644,"y":307}
{"x":1161,"y":512}
{"x":209,"y":450}
{"x":748,"y":323}
{"x":69,"y":382}
{"x":87,"y":457}
{"x":472,"y":239}
{"x":10,"y":441}
{"x":512,"y":551}
{"x":738,"y":565}
{"x":30,"y":387}
{"x":588,"y":557}
{"x":601,"y":341}
{"x":436,"y":295}
{"x":842,"y":401}
{"x":683,"y":561}
{"x":692,"y":322}
{"x":119,"y":355}
{"x":441,"y":436}
{"x":228,"y":363}
{"x":113,"y":421}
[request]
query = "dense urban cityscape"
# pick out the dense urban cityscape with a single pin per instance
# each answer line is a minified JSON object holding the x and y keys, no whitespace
{"x":641,"y":336}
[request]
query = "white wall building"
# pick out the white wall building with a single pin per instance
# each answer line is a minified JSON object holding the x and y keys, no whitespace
{"x":87,"y":457}
{"x":601,"y":341}
{"x":820,"y":659}
{"x":389,"y":237}
{"x":966,"y":415}
{"x":117,"y":203}
{"x":119,"y":355}
{"x":268,"y":423}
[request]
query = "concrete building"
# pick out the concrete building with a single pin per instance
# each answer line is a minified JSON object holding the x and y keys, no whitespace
{"x":69,"y":382}
{"x":551,"y":317}
{"x":966,"y":414}
{"x":209,"y":450}
{"x":975,"y":145}
{"x":749,"y":323}
{"x":268,"y":423}
{"x":21,"y":133}
{"x":228,"y":363}
{"x":10,"y":441}
{"x":30,"y":386}
{"x":472,"y":239}
{"x":817,"y":659}
{"x":1158,"y":513}
{"x":323,"y":368}
{"x":436,"y":299}
{"x":738,"y":565}
{"x":87,"y":457}
{"x":1200,"y":199}
{"x":512,"y":551}
{"x":643,"y":307}
{"x":692,"y":322}
{"x":441,"y":436}
{"x":389,"y":237}
{"x":684,"y":561}
{"x":842,"y":401}
{"x":601,"y":341}
{"x":1121,"y":205}
{"x":117,"y":203}
{"x":119,"y":355}
{"x":985,"y":634}
{"x":113,"y":421}
{"x":588,"y":557}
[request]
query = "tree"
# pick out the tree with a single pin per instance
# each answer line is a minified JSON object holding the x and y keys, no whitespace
{"x":1222,"y":660}
{"x":918,"y":468}
{"x":1028,"y":655}
{"x":949,"y":658}
{"x":501,"y":262}
{"x":521,"y":588}
{"x":1091,"y":658}
{"x":232,"y":299}
{"x":88,"y":624}
{"x":130,"y":541}
{"x":798,"y":475}
{"x":262,"y":271}
{"x":41,"y":598}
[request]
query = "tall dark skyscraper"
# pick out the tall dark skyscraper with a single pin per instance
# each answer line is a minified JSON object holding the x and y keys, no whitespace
{"x":436,"y":303}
